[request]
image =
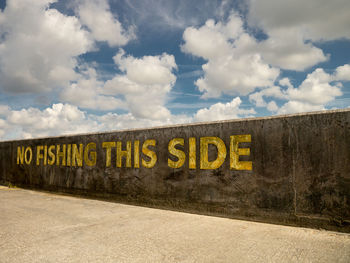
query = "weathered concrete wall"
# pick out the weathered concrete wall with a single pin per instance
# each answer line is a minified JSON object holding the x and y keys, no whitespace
{"x":300,"y":168}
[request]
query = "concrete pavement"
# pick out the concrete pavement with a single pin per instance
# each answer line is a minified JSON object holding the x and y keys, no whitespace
{"x":45,"y":227}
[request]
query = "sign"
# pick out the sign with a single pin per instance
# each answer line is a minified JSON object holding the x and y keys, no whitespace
{"x":132,"y":154}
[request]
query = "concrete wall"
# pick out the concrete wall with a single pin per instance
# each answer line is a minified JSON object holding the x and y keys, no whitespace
{"x":300,"y":168}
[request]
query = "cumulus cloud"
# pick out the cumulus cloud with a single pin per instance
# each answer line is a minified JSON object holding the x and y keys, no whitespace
{"x":86,"y":92}
{"x":221,"y":111}
{"x":144,"y":83}
{"x":217,"y":111}
{"x":315,"y":20}
{"x":234,"y":65}
{"x":142,"y":87}
{"x":39,"y":54}
{"x":60,"y":119}
{"x":316,"y":91}
{"x":258,"y":97}
{"x":114,"y":121}
{"x":285,"y":82}
{"x":272,"y":106}
{"x":342,"y":73}
{"x":4,"y":109}
{"x":292,"y":26}
{"x":287,"y":49}
{"x":312,"y":94}
{"x":294,"y":106}
{"x":104,"y":26}
{"x":56,"y":120}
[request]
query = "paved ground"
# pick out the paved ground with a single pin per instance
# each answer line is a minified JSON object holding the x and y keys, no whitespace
{"x":41,"y":227}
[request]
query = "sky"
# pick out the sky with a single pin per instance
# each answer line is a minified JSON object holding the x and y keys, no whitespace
{"x":80,"y":66}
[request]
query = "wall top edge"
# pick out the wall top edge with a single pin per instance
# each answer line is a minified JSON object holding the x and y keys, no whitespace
{"x":324,"y":112}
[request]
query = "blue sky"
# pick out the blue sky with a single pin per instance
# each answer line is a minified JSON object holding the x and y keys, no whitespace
{"x":82,"y":66}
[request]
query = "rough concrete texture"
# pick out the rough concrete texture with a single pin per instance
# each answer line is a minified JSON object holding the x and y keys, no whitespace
{"x":41,"y":227}
{"x":300,"y":175}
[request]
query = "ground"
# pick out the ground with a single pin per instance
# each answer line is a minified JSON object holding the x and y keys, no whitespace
{"x":46,"y":227}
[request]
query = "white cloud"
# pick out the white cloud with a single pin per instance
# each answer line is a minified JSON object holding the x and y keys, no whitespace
{"x":292,"y":26}
{"x":234,"y":64}
{"x":56,"y":120}
{"x":287,"y":49}
{"x":314,"y":93}
{"x":97,"y":16}
{"x":142,"y":87}
{"x":315,"y":89}
{"x":86,"y":92}
{"x":145,"y":84}
{"x":285,"y":82}
{"x":38,"y":46}
{"x":314,"y":19}
{"x":272,"y":106}
{"x":211,"y":40}
{"x":220,"y":111}
{"x":294,"y":106}
{"x":258,"y":97}
{"x":343,"y":73}
{"x":148,"y":70}
{"x":61,"y":119}
{"x":113,"y":121}
{"x":4,"y":109}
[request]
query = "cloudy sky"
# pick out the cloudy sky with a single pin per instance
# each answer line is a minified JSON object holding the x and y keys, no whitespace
{"x":96,"y":65}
